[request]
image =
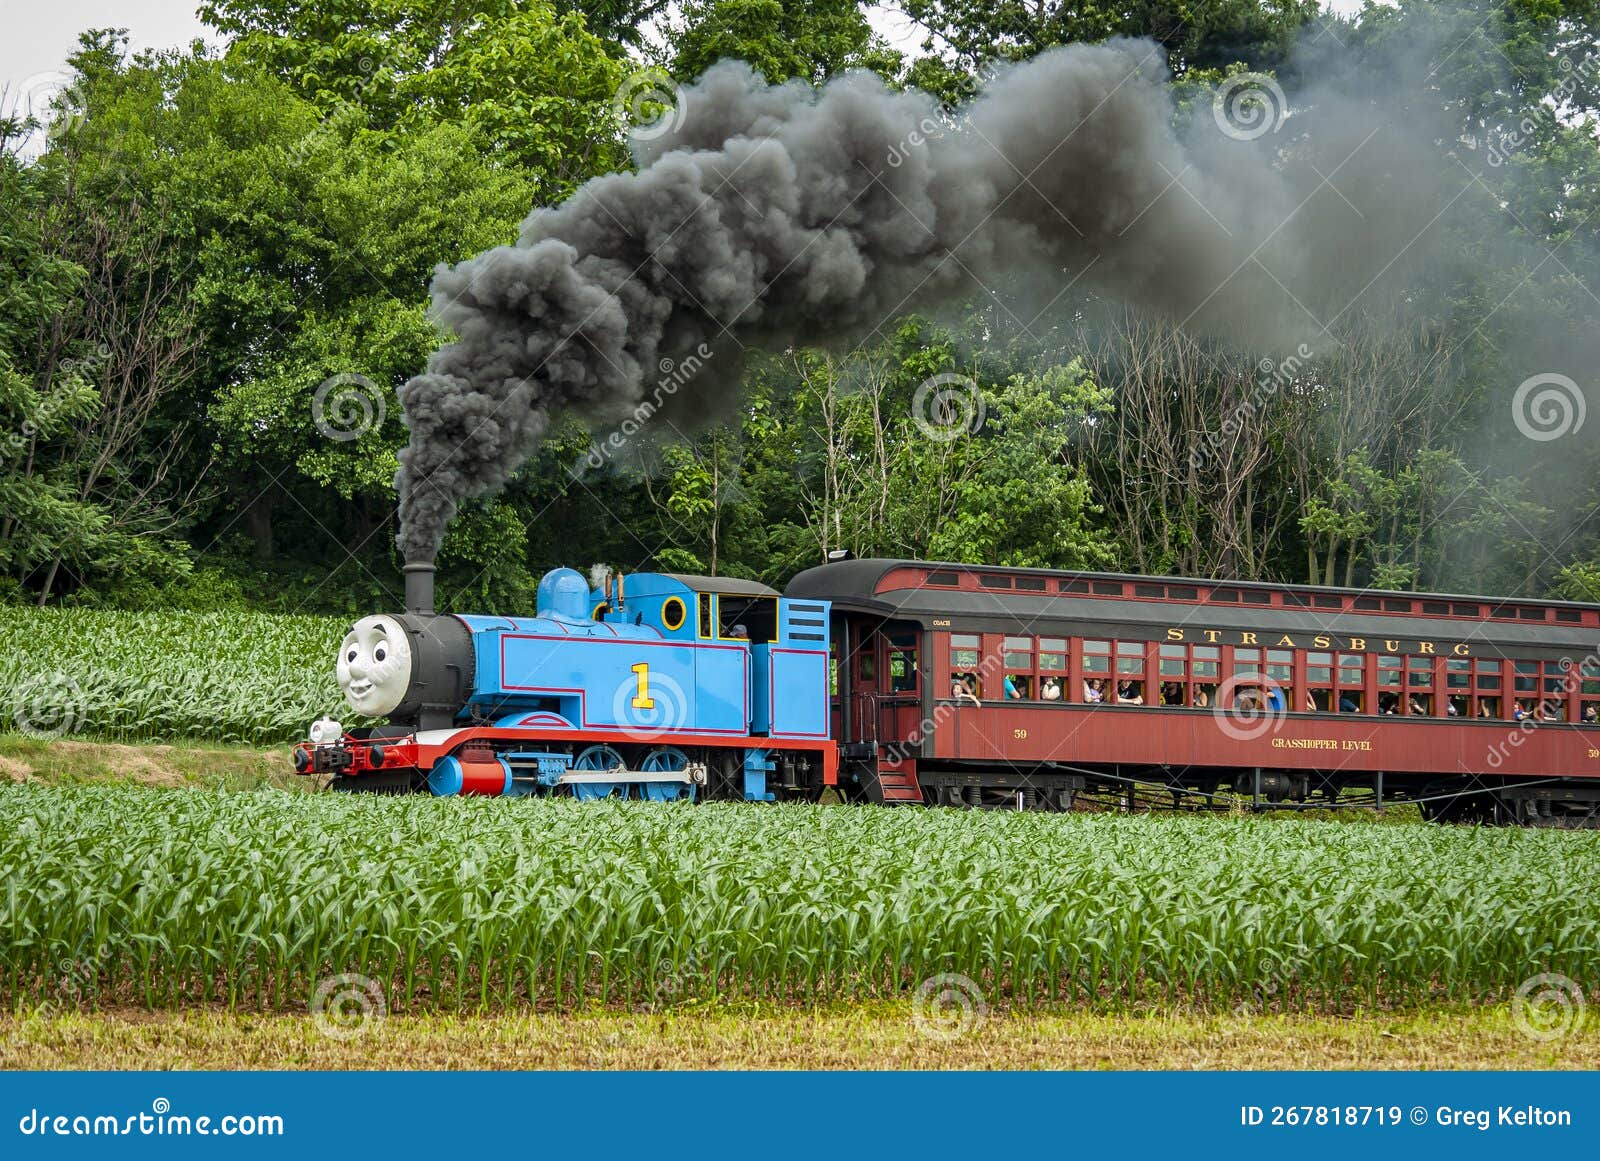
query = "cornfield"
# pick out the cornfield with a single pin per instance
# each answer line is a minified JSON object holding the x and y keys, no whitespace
{"x":166,"y":898}
{"x":231,"y":677}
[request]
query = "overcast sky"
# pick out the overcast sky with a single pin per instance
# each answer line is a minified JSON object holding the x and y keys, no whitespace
{"x":40,"y":33}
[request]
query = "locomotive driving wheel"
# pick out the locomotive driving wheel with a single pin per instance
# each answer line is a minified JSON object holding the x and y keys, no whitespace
{"x":667,"y":758}
{"x":598,"y":758}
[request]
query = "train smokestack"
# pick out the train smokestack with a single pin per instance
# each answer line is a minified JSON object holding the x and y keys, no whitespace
{"x":419,"y":588}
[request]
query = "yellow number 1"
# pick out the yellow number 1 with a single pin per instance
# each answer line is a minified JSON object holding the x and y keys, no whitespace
{"x":642,"y":699}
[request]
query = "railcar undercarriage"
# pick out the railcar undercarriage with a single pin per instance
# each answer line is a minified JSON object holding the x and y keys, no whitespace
{"x":1565,"y":803}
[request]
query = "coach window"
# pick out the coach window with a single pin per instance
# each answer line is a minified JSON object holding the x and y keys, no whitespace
{"x":1319,"y":682}
{"x":1130,"y":672}
{"x":1458,"y":687}
{"x":1589,"y":692}
{"x":1419,"y":684}
{"x":1280,"y":673}
{"x":1390,"y":680}
{"x":1096,"y":672}
{"x":1052,"y":668}
{"x":1553,"y":706}
{"x":1018,"y":657}
{"x":902,"y":663}
{"x":1352,"y":684}
{"x":1207,"y":661}
{"x":1488,"y":679}
{"x":1174,"y":674}
{"x":964,"y":651}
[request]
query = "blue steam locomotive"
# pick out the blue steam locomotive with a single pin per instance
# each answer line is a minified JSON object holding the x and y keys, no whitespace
{"x":660,"y":686}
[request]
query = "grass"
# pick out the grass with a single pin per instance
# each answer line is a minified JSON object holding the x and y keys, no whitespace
{"x":871,"y":1036}
{"x":171,"y":899}
{"x":78,"y":762}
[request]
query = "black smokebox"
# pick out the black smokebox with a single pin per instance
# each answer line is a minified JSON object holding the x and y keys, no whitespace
{"x":419,"y":588}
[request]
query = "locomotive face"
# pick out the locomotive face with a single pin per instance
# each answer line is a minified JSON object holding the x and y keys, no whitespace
{"x":375,"y":666}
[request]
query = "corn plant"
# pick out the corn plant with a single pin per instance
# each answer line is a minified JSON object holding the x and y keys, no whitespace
{"x":249,"y":899}
{"x":231,"y":677}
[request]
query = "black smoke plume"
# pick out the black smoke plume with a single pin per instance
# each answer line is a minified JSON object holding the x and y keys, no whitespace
{"x":774,"y":215}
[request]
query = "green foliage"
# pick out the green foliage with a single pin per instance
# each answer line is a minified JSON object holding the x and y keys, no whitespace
{"x":252,"y":899}
{"x":781,"y":39}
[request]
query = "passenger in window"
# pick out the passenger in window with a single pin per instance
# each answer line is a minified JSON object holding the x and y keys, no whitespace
{"x":1348,"y":704}
{"x":1171,"y":693}
{"x":1388,"y":704}
{"x":1050,"y":689}
{"x":1013,"y":690}
{"x":961,"y":691}
{"x":1094,"y":690}
{"x":1247,"y":699}
{"x":1130,"y":693}
{"x":739,"y":633}
{"x":1275,"y":701}
{"x":1518,"y":711}
{"x":1591,"y":712}
{"x":1311,"y":702}
{"x":1202,"y":697}
{"x":1488,"y":707}
{"x":1414,"y":706}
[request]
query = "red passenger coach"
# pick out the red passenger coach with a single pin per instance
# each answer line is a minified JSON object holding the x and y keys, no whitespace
{"x":956,"y":685}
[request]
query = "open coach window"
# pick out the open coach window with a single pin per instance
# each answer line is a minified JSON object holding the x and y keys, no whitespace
{"x":902,"y":663}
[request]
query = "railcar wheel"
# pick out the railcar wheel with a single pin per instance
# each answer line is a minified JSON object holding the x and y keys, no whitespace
{"x":668,"y":758}
{"x":598,"y":758}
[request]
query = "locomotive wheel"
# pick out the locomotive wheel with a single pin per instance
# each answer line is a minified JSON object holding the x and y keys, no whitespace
{"x":598,"y":758}
{"x":667,"y":758}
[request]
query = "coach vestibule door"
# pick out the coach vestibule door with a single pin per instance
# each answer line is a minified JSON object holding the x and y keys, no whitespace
{"x":880,"y":680}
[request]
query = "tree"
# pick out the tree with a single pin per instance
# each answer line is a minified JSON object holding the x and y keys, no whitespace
{"x":528,"y":81}
{"x":781,"y":39}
